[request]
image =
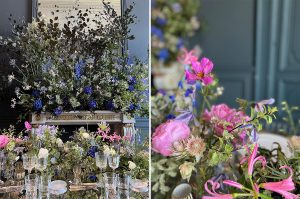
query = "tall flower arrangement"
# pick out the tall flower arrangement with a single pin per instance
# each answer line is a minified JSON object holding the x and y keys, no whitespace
{"x":198,"y":142}
{"x":171,"y":22}
{"x":79,"y":65}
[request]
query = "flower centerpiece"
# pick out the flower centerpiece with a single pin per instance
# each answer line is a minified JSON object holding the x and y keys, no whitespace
{"x":75,"y":66}
{"x":199,"y":143}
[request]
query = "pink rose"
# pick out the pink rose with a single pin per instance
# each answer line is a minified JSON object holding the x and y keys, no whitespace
{"x":28,"y":126}
{"x":223,"y":118}
{"x":4,"y":140}
{"x":168,"y":133}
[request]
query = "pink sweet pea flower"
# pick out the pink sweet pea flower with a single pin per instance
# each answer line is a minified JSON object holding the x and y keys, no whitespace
{"x":282,"y":187}
{"x":200,"y":71}
{"x":213,"y":193}
{"x":28,"y":126}
{"x":252,"y":159}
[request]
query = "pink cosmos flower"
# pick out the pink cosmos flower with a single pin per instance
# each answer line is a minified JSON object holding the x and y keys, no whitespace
{"x":213,"y":193}
{"x":4,"y":140}
{"x":222,"y":117}
{"x":200,"y":71}
{"x":168,"y":133}
{"x":282,"y":187}
{"x":187,"y":57}
{"x":28,"y":126}
{"x":18,"y":140}
{"x":252,"y":159}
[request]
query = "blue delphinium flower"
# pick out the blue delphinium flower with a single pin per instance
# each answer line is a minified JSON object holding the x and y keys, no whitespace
{"x":36,"y":93}
{"x":172,"y":98}
{"x":129,"y":61}
{"x":179,"y":43}
{"x":78,"y":69}
{"x":161,"y":21}
{"x":88,"y":90}
{"x":131,"y":107}
{"x":131,"y":88}
{"x":188,"y":92}
{"x":163,"y":54}
{"x":132,"y":80}
{"x":38,"y":104}
{"x":58,"y":111}
{"x":92,"y":150}
{"x":109,"y":105}
{"x":92,"y":177}
{"x":157,"y":32}
{"x":180,"y":85}
{"x":92,"y":104}
{"x":170,"y":116}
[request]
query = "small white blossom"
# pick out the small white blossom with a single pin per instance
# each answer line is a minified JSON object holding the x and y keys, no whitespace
{"x":43,"y":153}
{"x":13,"y":103}
{"x":11,"y":78}
{"x":12,"y":62}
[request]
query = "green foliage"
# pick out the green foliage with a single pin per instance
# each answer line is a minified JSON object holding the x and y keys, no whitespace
{"x":59,"y":61}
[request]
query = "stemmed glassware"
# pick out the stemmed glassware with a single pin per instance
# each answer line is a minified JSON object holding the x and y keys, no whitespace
{"x":113,"y":161}
{"x":41,"y":164}
{"x":29,"y":162}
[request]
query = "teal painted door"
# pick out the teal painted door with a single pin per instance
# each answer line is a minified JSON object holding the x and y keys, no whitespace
{"x":255,"y":45}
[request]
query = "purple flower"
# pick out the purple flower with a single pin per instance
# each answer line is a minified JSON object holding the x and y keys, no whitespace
{"x":131,"y":107}
{"x":92,"y":177}
{"x":170,"y":116}
{"x":92,"y":104}
{"x":58,"y":111}
{"x":109,"y":105}
{"x":163,"y":54}
{"x":38,"y":104}
{"x":188,"y":92}
{"x":132,"y":81}
{"x":131,"y":88}
{"x":157,"y":32}
{"x":78,"y":69}
{"x":162,"y":91}
{"x":35,"y":93}
{"x":172,"y":98}
{"x":88,"y":90}
{"x":161,"y":21}
{"x":92,"y":150}
{"x":179,"y":43}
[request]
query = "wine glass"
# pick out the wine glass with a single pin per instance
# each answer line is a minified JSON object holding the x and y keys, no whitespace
{"x":29,"y":162}
{"x":41,"y":163}
{"x":114,"y":161}
{"x":101,"y":162}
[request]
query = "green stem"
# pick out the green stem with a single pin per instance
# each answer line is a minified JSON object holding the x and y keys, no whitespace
{"x":236,"y":195}
{"x":263,"y":196}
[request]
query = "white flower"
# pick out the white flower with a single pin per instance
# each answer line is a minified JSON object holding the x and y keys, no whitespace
{"x":13,"y":103}
{"x":86,"y":135}
{"x":43,"y":153}
{"x":59,"y":143}
{"x":11,"y":78}
{"x":12,"y":62}
{"x":131,"y":165}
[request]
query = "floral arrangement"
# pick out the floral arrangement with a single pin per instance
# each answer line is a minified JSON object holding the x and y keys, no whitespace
{"x":74,"y":66}
{"x":200,"y":143}
{"x":171,"y":22}
{"x":62,"y":156}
